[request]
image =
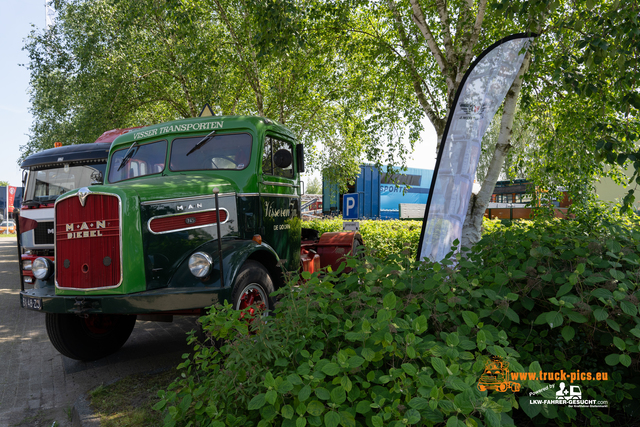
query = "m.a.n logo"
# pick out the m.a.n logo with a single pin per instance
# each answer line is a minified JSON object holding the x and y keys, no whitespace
{"x":84,"y":230}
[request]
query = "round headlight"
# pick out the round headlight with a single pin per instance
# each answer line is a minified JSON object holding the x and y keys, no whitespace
{"x":42,"y":268}
{"x":200,"y":264}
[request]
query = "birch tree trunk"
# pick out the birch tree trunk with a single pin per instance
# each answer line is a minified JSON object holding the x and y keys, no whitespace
{"x":472,"y":228}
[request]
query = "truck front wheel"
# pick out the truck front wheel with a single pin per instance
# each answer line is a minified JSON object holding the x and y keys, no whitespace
{"x":252,"y":289}
{"x":91,"y":337}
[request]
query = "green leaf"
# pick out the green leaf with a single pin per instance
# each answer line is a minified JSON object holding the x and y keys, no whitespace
{"x":619,"y":343}
{"x":304,"y":393}
{"x":301,"y":422}
{"x":376,"y":420}
{"x":412,"y":416}
{"x":554,"y":319}
{"x":331,"y":419}
{"x":470,"y":318}
{"x":409,"y":369}
{"x":419,"y":403}
{"x":347,"y":419}
{"x":257,"y":402}
{"x":600,"y":314}
{"x":420,"y":324}
{"x":629,"y":308}
{"x":363,"y":407}
{"x":271,"y":396}
{"x":368,"y":354}
{"x":612,"y":359}
{"x":285,"y":387}
{"x":338,"y":395}
{"x":625,"y":360}
{"x":355,"y":361}
{"x":315,"y":408}
{"x":322,"y":393}
{"x":287,"y":411}
{"x":331,"y":369}
{"x":439,"y":365}
{"x":512,"y":315}
{"x":568,"y":333}
{"x":493,"y":420}
{"x":528,"y":408}
{"x":389,"y":301}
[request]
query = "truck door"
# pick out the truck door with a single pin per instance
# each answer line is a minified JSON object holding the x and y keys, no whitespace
{"x":280,"y":201}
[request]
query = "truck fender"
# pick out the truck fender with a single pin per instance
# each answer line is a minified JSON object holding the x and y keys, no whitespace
{"x":234,"y":254}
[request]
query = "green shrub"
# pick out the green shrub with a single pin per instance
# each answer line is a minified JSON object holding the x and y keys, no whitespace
{"x":383,"y":238}
{"x":396,"y":342}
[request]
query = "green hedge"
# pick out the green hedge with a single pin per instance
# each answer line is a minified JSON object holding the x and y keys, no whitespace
{"x":395,"y":342}
{"x":383,"y":238}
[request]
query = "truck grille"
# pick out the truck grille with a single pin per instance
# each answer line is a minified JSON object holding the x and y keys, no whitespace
{"x":88,"y":242}
{"x":42,"y":236}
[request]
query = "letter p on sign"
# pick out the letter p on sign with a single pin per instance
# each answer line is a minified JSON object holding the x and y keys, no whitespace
{"x":350,"y":206}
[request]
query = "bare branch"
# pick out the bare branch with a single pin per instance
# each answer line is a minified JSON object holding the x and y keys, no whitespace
{"x":473,"y":39}
{"x":430,"y":110}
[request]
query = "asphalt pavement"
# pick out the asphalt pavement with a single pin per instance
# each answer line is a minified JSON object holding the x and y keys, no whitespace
{"x":39,"y":386}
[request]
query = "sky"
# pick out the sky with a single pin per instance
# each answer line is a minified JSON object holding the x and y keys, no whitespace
{"x":16,"y":22}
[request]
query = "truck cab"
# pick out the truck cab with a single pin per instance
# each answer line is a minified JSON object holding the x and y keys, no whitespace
{"x":192,"y":212}
{"x":49,"y":174}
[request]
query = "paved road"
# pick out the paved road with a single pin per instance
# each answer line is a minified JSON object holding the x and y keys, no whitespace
{"x":37,"y":384}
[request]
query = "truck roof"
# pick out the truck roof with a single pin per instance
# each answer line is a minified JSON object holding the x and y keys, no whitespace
{"x":68,"y":154}
{"x":77,"y":152}
{"x":202,"y":125}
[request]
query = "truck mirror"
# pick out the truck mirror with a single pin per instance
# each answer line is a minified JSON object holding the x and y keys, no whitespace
{"x":97,"y":178}
{"x":300,"y":157}
{"x":282,"y":158}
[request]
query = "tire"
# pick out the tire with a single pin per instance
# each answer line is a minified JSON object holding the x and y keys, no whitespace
{"x":89,"y":338}
{"x":253,"y":287}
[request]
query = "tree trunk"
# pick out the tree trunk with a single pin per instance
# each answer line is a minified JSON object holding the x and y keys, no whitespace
{"x":472,"y":228}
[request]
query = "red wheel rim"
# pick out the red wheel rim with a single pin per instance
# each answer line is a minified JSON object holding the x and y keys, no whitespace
{"x":252,"y":298}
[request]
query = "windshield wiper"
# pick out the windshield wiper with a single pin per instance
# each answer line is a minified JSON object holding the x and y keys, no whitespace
{"x":31,"y":202}
{"x":127,"y":156}
{"x":200,"y":144}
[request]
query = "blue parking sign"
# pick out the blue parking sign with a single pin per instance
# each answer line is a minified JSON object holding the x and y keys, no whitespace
{"x":350,"y":206}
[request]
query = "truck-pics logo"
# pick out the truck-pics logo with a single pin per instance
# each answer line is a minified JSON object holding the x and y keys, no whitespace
{"x":496,"y":376}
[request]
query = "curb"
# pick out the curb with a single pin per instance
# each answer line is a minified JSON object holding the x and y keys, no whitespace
{"x":82,"y":415}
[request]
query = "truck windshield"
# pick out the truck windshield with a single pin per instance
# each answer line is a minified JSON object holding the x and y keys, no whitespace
{"x":46,"y":185}
{"x":231,"y":152}
{"x":147,"y":159}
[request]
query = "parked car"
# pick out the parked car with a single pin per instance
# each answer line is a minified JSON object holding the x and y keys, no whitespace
{"x":8,"y":227}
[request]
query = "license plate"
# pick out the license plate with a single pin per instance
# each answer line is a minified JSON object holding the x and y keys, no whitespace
{"x":32,"y":303}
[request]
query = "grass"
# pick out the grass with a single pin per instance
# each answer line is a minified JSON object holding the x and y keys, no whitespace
{"x":7,"y":235}
{"x":129,"y":401}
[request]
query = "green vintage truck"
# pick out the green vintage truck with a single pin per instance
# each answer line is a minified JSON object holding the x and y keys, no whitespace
{"x":192,"y":212}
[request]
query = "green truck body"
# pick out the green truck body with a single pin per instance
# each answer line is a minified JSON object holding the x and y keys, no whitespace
{"x":191,"y":213}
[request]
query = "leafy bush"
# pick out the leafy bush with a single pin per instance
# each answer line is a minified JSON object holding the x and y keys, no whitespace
{"x":382,"y":238}
{"x":395,"y":342}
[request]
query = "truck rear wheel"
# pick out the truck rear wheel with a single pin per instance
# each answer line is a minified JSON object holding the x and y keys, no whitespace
{"x":89,"y":338}
{"x":252,"y":288}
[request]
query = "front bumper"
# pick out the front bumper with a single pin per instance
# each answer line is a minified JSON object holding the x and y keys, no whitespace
{"x":157,"y":300}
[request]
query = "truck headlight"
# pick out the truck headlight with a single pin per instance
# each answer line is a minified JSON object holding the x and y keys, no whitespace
{"x":42,"y":268}
{"x":26,"y":265}
{"x":200,"y":264}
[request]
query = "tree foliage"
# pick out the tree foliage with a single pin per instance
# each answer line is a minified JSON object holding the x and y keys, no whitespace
{"x":107,"y":64}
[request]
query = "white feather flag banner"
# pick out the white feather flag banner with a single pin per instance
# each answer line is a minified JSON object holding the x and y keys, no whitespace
{"x":50,"y":13}
{"x":480,"y":94}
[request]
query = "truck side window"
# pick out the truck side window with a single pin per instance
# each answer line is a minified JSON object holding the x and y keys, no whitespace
{"x":269,"y":166}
